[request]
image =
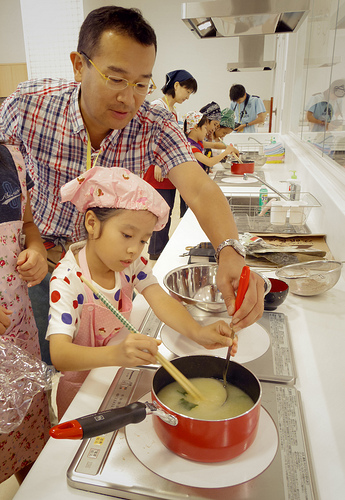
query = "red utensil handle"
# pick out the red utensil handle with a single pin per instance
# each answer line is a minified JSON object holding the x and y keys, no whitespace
{"x":100,"y":423}
{"x":242,"y":287}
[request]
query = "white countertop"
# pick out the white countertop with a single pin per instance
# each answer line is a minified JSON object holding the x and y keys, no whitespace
{"x":317,"y":332}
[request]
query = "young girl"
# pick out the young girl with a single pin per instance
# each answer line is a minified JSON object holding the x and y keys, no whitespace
{"x":121,"y":211}
{"x":179,"y":86}
{"x":214,"y":117}
{"x":23,"y":264}
{"x":195,"y":128}
{"x":226,"y":125}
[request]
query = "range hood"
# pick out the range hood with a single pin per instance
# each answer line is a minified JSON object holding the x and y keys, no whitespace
{"x":226,"y":18}
{"x":251,"y":52}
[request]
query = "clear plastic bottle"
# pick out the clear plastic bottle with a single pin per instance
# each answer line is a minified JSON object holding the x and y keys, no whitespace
{"x":294,"y":187}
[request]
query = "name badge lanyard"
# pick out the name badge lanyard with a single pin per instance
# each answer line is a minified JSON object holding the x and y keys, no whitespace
{"x":172,"y":110}
{"x":240,"y":116}
{"x":88,"y":153}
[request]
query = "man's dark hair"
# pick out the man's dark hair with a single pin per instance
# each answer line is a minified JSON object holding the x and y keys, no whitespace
{"x":190,"y":84}
{"x":236,"y":92}
{"x":128,"y":22}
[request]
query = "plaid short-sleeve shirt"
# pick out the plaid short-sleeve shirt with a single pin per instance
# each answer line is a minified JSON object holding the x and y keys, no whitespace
{"x":43,"y":116}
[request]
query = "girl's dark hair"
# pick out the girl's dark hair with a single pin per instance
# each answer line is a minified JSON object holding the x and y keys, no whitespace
{"x":103,"y":214}
{"x":129,"y":22}
{"x":202,"y":122}
{"x":190,"y":84}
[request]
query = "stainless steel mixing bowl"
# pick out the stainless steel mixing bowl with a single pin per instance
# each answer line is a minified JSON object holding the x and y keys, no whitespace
{"x":196,"y":284}
{"x":311,"y":278}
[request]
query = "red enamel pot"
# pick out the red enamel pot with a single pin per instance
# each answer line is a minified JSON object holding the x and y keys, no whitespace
{"x":209,"y":440}
{"x":242,"y":168}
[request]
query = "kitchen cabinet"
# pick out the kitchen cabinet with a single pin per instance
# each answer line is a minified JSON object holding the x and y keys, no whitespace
{"x":10,"y":76}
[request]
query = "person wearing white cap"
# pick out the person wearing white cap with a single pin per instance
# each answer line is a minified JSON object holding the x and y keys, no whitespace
{"x":121,"y":211}
{"x":324,"y":110}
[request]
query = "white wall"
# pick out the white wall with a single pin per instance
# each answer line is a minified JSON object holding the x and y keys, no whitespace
{"x":177,"y":48}
{"x":12,"y":50}
{"x":206,"y":60}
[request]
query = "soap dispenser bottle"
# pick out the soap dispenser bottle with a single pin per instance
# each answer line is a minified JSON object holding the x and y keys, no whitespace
{"x":294,"y":187}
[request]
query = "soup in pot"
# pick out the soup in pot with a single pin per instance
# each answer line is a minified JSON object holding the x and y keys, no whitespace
{"x":213,"y":407}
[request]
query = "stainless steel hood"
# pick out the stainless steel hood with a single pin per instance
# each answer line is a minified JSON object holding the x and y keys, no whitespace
{"x":226,"y":18}
{"x":251,"y":51}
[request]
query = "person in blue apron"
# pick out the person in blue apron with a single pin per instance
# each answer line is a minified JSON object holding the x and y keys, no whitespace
{"x":121,"y":212}
{"x":249,"y":109}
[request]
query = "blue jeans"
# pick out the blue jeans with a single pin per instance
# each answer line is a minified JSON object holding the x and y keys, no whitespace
{"x":39,"y":296}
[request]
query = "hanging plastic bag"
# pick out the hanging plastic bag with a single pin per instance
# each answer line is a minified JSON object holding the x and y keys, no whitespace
{"x":22,"y":376}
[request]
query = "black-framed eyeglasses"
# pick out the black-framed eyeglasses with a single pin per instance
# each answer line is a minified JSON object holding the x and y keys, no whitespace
{"x":117,"y":83}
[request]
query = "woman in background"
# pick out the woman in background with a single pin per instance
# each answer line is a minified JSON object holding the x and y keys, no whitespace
{"x":179,"y":86}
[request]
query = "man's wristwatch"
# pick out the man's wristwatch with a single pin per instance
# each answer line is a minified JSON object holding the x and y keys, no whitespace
{"x":235,"y":244}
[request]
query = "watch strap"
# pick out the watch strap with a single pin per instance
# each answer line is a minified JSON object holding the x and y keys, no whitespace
{"x":235,"y":244}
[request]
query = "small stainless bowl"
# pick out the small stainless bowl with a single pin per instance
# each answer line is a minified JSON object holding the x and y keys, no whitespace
{"x":196,"y":284}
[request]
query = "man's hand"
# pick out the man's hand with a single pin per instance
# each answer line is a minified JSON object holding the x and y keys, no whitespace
{"x":228,"y":275}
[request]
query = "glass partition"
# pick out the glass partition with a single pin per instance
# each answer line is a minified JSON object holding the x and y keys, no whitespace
{"x":322,"y":119}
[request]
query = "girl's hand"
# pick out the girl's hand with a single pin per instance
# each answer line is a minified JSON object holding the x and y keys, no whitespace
{"x":5,"y":321}
{"x":136,"y":349}
{"x":215,"y":336}
{"x":231,"y":150}
{"x":32,"y":266}
{"x":158,"y":174}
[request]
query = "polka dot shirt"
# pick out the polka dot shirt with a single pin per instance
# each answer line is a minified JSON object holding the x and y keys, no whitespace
{"x":68,"y":296}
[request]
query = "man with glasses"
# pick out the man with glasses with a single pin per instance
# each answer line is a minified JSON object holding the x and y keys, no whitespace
{"x":102,"y":117}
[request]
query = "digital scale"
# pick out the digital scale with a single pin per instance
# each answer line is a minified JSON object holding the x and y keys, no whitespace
{"x":132,"y":463}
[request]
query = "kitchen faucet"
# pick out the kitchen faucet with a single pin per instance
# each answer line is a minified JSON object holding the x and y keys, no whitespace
{"x":261,"y":148}
{"x":245,"y":177}
{"x":253,"y":138}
